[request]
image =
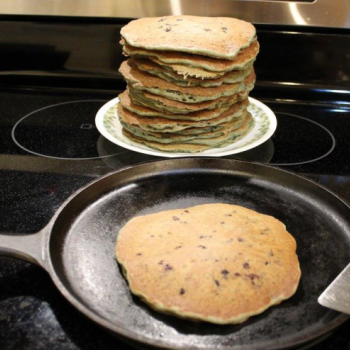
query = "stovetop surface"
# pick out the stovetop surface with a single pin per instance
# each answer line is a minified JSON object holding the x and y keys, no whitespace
{"x":50,"y":147}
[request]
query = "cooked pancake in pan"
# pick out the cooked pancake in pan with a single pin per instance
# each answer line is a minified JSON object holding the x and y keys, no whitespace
{"x":218,"y":263}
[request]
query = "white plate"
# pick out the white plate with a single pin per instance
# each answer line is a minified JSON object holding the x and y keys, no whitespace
{"x":108,"y":124}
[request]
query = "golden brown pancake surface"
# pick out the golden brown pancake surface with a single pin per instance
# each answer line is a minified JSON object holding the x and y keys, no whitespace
{"x":219,"y":37}
{"x":218,"y":263}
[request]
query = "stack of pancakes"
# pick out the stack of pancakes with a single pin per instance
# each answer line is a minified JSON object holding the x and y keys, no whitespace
{"x":188,"y":81}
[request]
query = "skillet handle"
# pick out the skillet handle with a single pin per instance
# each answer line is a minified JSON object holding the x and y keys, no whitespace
{"x":28,"y":247}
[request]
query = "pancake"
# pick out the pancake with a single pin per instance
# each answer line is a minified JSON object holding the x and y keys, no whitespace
{"x":217,"y":37}
{"x":218,"y":263}
{"x":188,"y":71}
{"x":182,"y":147}
{"x":244,"y":58}
{"x":197,"y":132}
{"x":168,"y":125}
{"x":144,"y":111}
{"x":146,"y":82}
{"x":180,"y":136}
{"x":144,"y":98}
{"x":211,"y":138}
{"x":178,"y":148}
{"x":150,"y":67}
{"x":197,"y":145}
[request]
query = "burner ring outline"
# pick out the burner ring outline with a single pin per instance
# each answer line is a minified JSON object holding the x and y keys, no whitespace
{"x":53,"y":157}
{"x":315,"y":159}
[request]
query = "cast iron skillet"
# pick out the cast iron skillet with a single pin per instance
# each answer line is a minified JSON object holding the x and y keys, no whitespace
{"x":77,"y":249}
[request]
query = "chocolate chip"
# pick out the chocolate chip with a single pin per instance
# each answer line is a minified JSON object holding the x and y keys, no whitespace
{"x":222,"y":222}
{"x":139,"y":254}
{"x":175,"y":218}
{"x":237,"y":274}
{"x":167,"y":29}
{"x":253,"y":277}
{"x":160,"y":262}
{"x":186,"y":211}
{"x":228,"y":215}
{"x":246,"y":266}
{"x":167,"y":267}
{"x":207,"y":29}
{"x":264,"y":231}
{"x":266,"y":262}
{"x":271,"y":253}
{"x":202,"y":246}
{"x":240,"y":239}
{"x":182,"y":291}
{"x":217,"y":282}
{"x":225,"y":272}
{"x":178,"y":247}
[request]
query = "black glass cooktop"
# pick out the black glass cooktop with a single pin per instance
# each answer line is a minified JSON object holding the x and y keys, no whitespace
{"x":50,"y":147}
{"x":309,"y":137}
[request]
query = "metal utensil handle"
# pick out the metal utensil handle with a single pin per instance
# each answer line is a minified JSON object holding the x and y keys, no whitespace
{"x":25,"y":247}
